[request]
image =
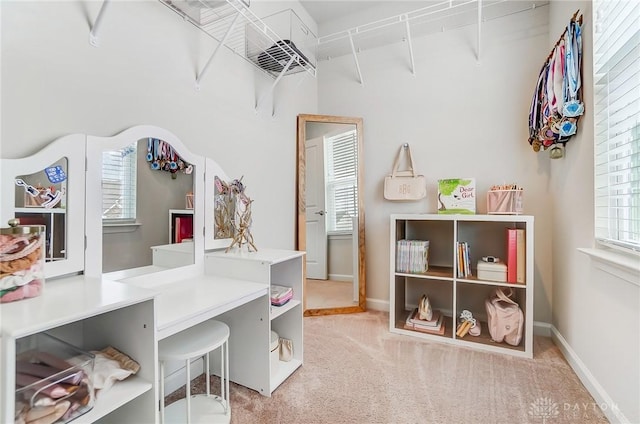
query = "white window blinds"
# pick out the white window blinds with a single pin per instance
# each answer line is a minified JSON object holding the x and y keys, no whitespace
{"x":342,"y":181}
{"x":119,"y":184}
{"x":616,"y":69}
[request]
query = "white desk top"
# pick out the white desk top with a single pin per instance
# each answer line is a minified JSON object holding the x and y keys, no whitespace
{"x":183,"y":303}
{"x":179,"y":304}
{"x":66,"y":300}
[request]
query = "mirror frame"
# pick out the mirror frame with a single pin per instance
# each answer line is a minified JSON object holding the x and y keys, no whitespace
{"x":301,"y":233}
{"x":94,"y":148}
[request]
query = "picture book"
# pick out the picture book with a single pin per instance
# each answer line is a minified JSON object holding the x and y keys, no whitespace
{"x":457,"y":196}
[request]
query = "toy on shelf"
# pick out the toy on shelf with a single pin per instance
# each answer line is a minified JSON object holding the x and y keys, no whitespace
{"x":468,"y":324}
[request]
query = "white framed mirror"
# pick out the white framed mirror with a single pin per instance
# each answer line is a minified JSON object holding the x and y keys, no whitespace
{"x":47,"y":188}
{"x":166,"y":231}
{"x":330,"y":217}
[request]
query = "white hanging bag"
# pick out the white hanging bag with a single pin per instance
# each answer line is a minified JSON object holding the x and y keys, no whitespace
{"x":405,"y":185}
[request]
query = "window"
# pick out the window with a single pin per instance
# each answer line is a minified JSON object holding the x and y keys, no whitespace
{"x":119,"y":184}
{"x":342,"y":181}
{"x":616,"y":111}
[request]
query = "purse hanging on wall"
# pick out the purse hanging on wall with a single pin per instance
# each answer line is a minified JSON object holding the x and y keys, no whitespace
{"x":405,"y":185}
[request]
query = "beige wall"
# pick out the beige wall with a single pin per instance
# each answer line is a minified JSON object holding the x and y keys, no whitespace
{"x":462,"y":118}
{"x":596,"y":313}
{"x":54,"y":83}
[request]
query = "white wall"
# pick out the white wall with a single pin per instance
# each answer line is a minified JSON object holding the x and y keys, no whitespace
{"x":595,"y":314}
{"x":462,"y":119}
{"x":55,"y":83}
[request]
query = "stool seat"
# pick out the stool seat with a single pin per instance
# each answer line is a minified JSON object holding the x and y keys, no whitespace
{"x":191,"y":343}
{"x":194,"y":341}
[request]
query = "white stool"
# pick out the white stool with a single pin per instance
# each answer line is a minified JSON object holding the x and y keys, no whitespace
{"x":191,"y":343}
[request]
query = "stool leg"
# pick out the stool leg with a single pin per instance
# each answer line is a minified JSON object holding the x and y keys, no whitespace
{"x":207,"y":373}
{"x":188,"y":391}
{"x":162,"y":392}
{"x":226,"y":374}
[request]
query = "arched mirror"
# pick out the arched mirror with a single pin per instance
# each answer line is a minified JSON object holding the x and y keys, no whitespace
{"x":142,"y":189}
{"x":47,"y":188}
{"x":330,"y":217}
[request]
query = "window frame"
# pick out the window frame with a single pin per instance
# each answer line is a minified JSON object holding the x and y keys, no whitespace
{"x":605,"y":225}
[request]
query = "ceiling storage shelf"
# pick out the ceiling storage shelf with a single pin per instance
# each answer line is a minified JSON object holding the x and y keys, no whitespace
{"x":280,"y":44}
{"x":437,"y":17}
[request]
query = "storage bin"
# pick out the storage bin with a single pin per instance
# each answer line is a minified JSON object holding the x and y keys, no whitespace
{"x":22,"y":251}
{"x":274,"y":356}
{"x":53,"y":379}
{"x":287,"y":36}
{"x":492,"y":271}
{"x":505,"y":202}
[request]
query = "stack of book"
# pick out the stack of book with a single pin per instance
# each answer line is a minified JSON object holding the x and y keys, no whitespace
{"x":464,"y":259}
{"x":516,"y":257}
{"x":433,"y":326}
{"x":412,"y":256}
{"x":280,"y":295}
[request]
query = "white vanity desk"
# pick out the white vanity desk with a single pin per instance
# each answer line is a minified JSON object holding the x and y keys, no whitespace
{"x":133,"y":309}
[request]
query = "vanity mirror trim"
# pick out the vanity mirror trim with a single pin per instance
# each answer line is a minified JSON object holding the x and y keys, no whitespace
{"x":95,"y":147}
{"x":71,"y":147}
{"x":301,"y":238}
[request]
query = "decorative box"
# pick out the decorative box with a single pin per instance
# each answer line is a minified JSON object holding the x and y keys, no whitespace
{"x":492,"y":271}
{"x":22,"y":251}
{"x":505,"y":202}
{"x":53,"y":380}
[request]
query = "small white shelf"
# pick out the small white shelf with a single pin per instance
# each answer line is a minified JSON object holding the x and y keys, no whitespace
{"x":119,"y":394}
{"x":276,"y":311}
{"x":40,"y":210}
{"x":285,"y":369}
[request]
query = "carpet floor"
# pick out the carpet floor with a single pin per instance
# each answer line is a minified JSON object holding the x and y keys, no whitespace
{"x":356,"y":372}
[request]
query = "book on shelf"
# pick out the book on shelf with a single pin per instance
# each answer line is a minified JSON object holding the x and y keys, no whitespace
{"x":435,"y":320}
{"x":438,"y":328}
{"x":520,"y":256}
{"x":464,"y":259}
{"x":412,"y":256}
{"x":512,"y":255}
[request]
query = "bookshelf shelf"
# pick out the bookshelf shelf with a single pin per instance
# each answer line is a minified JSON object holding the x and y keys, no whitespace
{"x":486,"y":235}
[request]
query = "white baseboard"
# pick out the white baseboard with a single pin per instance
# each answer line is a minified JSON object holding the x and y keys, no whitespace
{"x":378,"y":304}
{"x":599,"y":394}
{"x":341,"y":277}
{"x":541,"y":328}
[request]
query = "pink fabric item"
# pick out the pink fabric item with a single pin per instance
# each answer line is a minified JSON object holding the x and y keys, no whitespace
{"x":32,"y":289}
{"x":54,"y":391}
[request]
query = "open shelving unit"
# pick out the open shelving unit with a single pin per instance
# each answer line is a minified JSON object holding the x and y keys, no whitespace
{"x":270,"y":266}
{"x":449,"y":293}
{"x":88,"y":322}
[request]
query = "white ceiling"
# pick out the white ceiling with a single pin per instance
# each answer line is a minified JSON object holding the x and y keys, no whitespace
{"x":323,"y":11}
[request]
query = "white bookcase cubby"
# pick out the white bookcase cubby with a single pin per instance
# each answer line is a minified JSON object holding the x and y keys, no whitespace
{"x":450,"y":294}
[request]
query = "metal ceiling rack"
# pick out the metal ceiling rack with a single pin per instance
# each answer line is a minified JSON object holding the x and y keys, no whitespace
{"x":234,"y":26}
{"x":437,"y":17}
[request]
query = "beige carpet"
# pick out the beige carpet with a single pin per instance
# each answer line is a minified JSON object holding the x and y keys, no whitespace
{"x":321,"y":294}
{"x":355,"y":371}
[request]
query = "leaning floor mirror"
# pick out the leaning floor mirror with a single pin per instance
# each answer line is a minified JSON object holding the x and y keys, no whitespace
{"x":330,"y":218}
